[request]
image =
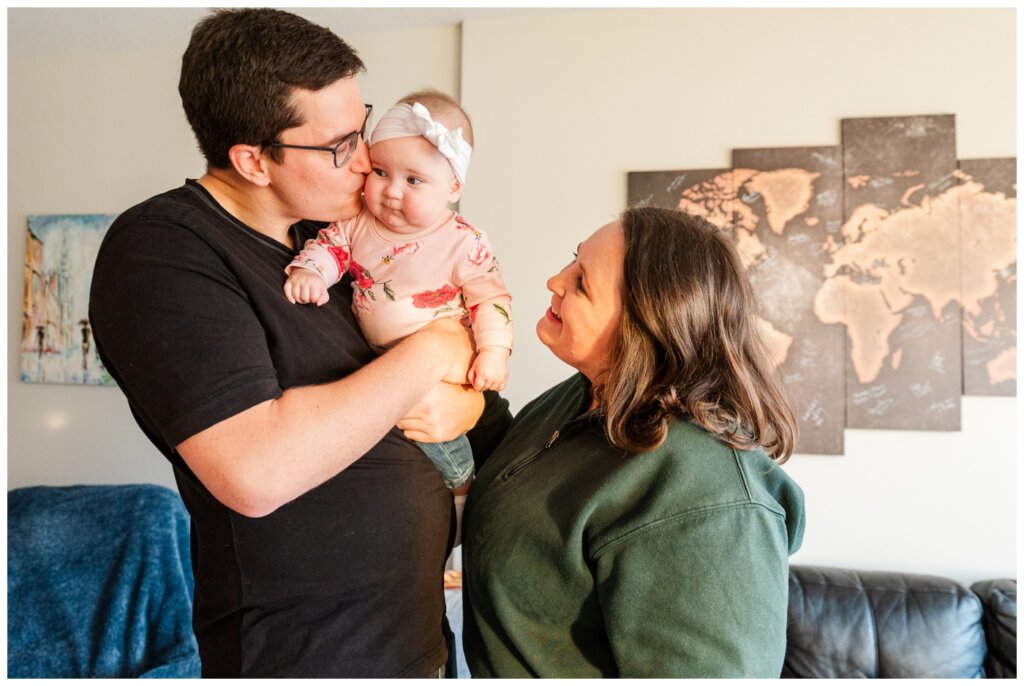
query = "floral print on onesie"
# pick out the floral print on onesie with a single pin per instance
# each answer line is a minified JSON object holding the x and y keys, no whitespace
{"x":401,"y":282}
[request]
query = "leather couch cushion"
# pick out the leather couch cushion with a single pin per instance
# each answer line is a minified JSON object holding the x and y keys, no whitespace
{"x":999,"y":598}
{"x":848,"y":624}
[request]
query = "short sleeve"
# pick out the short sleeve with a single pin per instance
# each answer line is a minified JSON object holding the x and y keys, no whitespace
{"x":701,"y":595}
{"x":176,"y":330}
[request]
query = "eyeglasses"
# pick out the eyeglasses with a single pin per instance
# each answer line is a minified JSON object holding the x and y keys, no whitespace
{"x":343,"y":151}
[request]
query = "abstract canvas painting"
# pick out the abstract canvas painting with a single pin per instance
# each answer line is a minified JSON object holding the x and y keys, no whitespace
{"x":56,"y":339}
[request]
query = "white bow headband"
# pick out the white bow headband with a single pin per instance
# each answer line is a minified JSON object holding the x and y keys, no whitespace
{"x":414,"y":120}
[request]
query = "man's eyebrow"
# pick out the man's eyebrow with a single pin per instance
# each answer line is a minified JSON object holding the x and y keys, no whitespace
{"x":337,"y":139}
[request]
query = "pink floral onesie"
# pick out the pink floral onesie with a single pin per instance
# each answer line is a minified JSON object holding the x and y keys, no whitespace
{"x":401,"y":282}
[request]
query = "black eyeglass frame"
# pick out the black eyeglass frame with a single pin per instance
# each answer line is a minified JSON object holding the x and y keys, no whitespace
{"x":361,"y":133}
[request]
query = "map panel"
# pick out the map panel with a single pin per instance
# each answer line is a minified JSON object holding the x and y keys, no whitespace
{"x":898,"y":262}
{"x":988,"y":234}
{"x":707,"y":193}
{"x":755,"y":208}
{"x":791,"y":211}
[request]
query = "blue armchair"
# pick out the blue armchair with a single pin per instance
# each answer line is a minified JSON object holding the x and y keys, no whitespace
{"x":99,"y":583}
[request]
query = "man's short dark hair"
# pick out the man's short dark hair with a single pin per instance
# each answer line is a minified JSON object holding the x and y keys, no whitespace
{"x":239,"y":71}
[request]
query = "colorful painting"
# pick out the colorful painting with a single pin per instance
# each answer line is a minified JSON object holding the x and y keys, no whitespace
{"x":56,"y":339}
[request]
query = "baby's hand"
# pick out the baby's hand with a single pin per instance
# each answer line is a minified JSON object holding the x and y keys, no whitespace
{"x":490,"y":369}
{"x":305,"y":286}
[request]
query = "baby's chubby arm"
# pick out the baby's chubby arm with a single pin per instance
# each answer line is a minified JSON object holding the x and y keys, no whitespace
{"x":320,"y":265}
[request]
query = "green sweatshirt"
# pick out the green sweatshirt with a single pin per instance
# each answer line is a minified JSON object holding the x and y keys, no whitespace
{"x":583,"y":561}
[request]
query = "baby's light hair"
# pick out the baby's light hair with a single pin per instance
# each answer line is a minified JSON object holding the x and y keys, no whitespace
{"x":443,"y":108}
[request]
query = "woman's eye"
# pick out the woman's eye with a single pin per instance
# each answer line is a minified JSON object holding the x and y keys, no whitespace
{"x":573,"y":255}
{"x":579,"y":284}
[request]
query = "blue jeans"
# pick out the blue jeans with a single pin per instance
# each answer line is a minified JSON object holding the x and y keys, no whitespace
{"x":454,"y":459}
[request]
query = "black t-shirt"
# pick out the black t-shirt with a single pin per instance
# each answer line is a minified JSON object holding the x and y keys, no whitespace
{"x":191,"y":321}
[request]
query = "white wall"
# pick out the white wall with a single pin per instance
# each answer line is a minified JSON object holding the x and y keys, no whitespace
{"x":564,"y":105}
{"x":97,"y":132}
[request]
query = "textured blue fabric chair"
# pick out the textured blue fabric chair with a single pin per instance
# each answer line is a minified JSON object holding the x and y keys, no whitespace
{"x":99,"y":583}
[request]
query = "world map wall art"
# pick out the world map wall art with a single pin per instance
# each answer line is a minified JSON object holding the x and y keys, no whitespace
{"x":885,"y":269}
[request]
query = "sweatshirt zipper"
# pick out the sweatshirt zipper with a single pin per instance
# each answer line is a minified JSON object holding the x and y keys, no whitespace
{"x":533,"y":458}
{"x":530,"y":460}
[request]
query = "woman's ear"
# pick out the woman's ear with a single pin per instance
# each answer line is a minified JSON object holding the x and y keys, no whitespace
{"x":456,"y":191}
{"x":250,"y":164}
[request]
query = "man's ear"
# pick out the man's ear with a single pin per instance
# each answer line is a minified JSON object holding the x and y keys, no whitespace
{"x":456,"y":191}
{"x":250,"y":163}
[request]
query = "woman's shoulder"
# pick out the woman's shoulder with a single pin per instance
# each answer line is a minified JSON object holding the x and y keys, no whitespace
{"x":719,"y":471}
{"x":693,"y":474}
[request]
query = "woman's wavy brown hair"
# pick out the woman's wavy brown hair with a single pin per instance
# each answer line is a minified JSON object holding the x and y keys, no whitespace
{"x":688,"y":343}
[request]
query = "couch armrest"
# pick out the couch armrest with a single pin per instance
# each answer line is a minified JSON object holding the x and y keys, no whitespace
{"x":999,"y":600}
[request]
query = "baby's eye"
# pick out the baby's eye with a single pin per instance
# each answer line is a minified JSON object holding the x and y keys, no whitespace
{"x":379,"y":172}
{"x":413,"y":181}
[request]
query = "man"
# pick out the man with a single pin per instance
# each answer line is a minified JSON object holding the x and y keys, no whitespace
{"x":319,"y":533}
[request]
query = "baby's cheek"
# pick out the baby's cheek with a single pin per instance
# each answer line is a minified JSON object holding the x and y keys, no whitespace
{"x":372,"y":187}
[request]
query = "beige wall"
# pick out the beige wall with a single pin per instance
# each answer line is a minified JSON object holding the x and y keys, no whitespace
{"x":564,"y":105}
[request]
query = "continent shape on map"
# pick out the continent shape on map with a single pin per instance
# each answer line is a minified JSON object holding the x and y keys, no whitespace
{"x":787,"y":193}
{"x":987,"y":253}
{"x":886,"y":259}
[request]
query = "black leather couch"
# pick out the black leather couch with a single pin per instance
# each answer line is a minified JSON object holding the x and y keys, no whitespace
{"x":848,"y":624}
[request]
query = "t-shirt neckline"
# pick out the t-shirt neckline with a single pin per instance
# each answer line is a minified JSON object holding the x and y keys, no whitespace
{"x":207,"y":196}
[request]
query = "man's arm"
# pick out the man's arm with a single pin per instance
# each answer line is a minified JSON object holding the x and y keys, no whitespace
{"x":269,"y":454}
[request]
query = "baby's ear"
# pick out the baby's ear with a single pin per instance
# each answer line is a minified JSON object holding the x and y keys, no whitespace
{"x":456,"y":191}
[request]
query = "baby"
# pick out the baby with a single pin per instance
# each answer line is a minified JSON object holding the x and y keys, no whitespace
{"x":412,"y":259}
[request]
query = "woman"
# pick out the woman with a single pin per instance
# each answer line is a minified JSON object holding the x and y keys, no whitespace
{"x":635,"y":522}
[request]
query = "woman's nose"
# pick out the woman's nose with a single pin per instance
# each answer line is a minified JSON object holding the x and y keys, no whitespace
{"x":555,"y":283}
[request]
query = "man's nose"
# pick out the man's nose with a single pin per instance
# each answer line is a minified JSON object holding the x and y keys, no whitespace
{"x":360,"y":163}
